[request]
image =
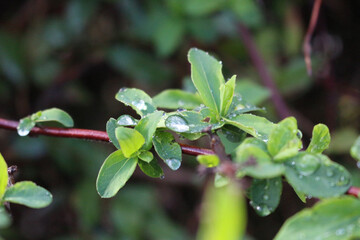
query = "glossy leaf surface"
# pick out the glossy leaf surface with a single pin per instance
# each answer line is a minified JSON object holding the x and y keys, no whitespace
{"x":57,"y":115}
{"x":320,"y":139}
{"x":129,"y":139}
{"x":174,"y":99}
{"x":137,"y":99}
{"x":147,"y":127}
{"x":167,"y":149}
{"x":151,"y":169}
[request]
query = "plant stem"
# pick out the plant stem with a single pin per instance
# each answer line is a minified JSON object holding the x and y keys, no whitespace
{"x":87,"y":134}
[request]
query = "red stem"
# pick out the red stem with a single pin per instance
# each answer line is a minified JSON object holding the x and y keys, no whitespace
{"x":102,"y":136}
{"x":309,"y":33}
{"x":88,"y":134}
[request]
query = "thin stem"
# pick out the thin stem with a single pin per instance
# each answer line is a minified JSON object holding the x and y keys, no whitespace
{"x":309,"y":33}
{"x":87,"y":134}
{"x":354,"y":191}
{"x":261,"y":68}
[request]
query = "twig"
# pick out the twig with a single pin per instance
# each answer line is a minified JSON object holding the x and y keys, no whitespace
{"x":260,"y":65}
{"x":88,"y":134}
{"x":354,"y":191}
{"x":309,"y":33}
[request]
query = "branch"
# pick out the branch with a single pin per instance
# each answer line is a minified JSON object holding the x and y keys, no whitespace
{"x":260,"y":65}
{"x":354,"y":191}
{"x":309,"y":33}
{"x":88,"y":135}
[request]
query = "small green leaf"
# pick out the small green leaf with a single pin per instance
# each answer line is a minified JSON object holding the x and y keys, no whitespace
{"x":224,"y":214}
{"x":129,"y":139}
{"x":146,"y":156}
{"x":111,"y":125}
{"x":167,"y":149}
{"x":258,"y":127}
{"x":208,"y":160}
{"x":147,"y":127}
{"x":25,"y":126}
{"x":252,"y":92}
{"x":151,"y":169}
{"x":5,"y":219}
{"x":137,"y":99}
{"x":56,"y":115}
{"x":220,"y":180}
{"x":316,"y":175}
{"x":29,"y":194}
{"x":114,"y":173}
{"x":283,"y":140}
{"x":174,"y":99}
{"x":126,"y":120}
{"x":227,"y":93}
{"x":265,"y":195}
{"x":207,"y":77}
{"x":355,"y":149}
{"x":333,"y":219}
{"x":3,"y":176}
{"x":320,"y":139}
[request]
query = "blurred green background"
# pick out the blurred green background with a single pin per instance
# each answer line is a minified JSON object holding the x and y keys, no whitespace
{"x":75,"y":55}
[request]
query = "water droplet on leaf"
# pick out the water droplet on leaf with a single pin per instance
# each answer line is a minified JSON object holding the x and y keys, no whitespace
{"x":173,"y":163}
{"x":177,"y":124}
{"x":307,"y":165}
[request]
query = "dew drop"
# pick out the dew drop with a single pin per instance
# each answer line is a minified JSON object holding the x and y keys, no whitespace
{"x":139,"y":104}
{"x":162,"y":177}
{"x":317,"y":178}
{"x":329,"y":173}
{"x":126,"y":120}
{"x":177,"y":124}
{"x":340,"y":231}
{"x":181,"y":103}
{"x":307,"y":165}
{"x":173,"y":163}
{"x":23,"y":132}
{"x":266,"y":197}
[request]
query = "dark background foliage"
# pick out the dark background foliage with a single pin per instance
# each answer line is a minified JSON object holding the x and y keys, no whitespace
{"x":76,"y":54}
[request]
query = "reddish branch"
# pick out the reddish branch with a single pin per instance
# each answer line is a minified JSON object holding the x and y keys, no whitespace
{"x":102,"y":136}
{"x":87,"y":134}
{"x":309,"y":33}
{"x":261,"y":68}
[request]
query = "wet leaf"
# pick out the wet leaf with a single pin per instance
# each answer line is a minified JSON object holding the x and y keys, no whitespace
{"x":147,"y":127}
{"x":174,"y":99}
{"x":25,"y":126}
{"x":126,"y":120}
{"x":208,"y":160}
{"x":114,"y":173}
{"x":129,"y":139}
{"x":137,"y":99}
{"x":111,"y":125}
{"x":151,"y":169}
{"x":316,"y":175}
{"x":146,"y":156}
{"x":29,"y":194}
{"x":240,"y":106}
{"x":207,"y":77}
{"x":258,"y":127}
{"x":332,"y":219}
{"x":56,"y":115}
{"x":320,"y":139}
{"x":3,"y":176}
{"x":167,"y":149}
{"x":265,"y":195}
{"x":231,"y":137}
{"x":283,"y":140}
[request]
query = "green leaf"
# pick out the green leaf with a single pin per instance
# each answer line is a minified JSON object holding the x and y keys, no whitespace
{"x":3,"y":176}
{"x":283,"y":140}
{"x":258,"y":127}
{"x":29,"y":194}
{"x":316,"y":175}
{"x":129,"y":139}
{"x":332,"y":219}
{"x":355,"y":149}
{"x":208,"y":160}
{"x":151,"y":169}
{"x":256,"y":162}
{"x":265,"y":195}
{"x":137,"y":99}
{"x":227,"y":93}
{"x":224,"y":214}
{"x":25,"y":126}
{"x":174,"y":99}
{"x":146,"y":156}
{"x":147,"y":127}
{"x":207,"y":77}
{"x":239,"y":106}
{"x":190,"y":122}
{"x":320,"y":139}
{"x":111,"y":125}
{"x":56,"y":115}
{"x":5,"y":219}
{"x":252,"y":92}
{"x":231,"y":137}
{"x":114,"y":173}
{"x":167,"y":149}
